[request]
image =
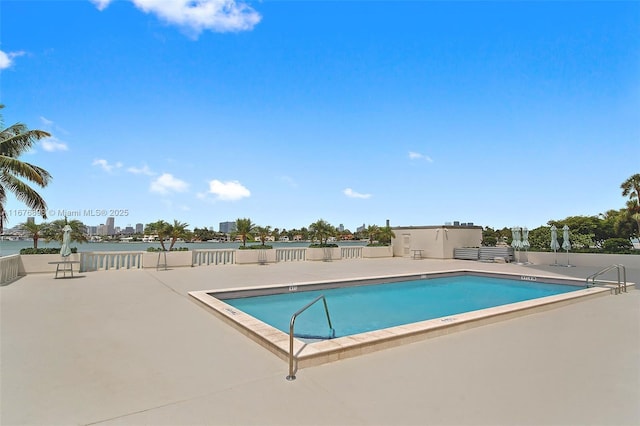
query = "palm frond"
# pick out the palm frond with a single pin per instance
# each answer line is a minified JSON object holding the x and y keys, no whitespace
{"x":35,"y":174}
{"x":17,"y":140}
{"x":24,"y":193}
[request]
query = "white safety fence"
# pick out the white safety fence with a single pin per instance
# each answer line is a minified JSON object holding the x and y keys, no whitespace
{"x":291,"y":254}
{"x":212,"y":257}
{"x":104,"y":261}
{"x":9,"y":268}
{"x":351,"y":252}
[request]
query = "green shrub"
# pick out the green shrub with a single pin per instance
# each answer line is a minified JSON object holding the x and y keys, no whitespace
{"x":256,"y":247}
{"x":323,"y":245}
{"x":159,"y":249}
{"x":32,"y":250}
{"x":489,"y":241}
{"x":378,"y":245}
{"x":617,"y":245}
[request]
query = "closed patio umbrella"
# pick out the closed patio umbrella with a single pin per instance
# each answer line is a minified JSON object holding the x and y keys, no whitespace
{"x":65,"y":250}
{"x":555,"y":245}
{"x":525,"y":242}
{"x":515,"y":242}
{"x":566,"y":244}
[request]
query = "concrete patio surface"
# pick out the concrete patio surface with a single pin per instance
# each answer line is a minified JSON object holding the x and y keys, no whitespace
{"x":130,"y":347}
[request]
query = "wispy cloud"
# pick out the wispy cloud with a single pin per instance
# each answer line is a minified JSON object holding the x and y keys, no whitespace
{"x":105,"y":165}
{"x":353,"y":194}
{"x":6,"y":58}
{"x":226,"y":191}
{"x":52,"y":143}
{"x":46,"y":121}
{"x":167,"y":183}
{"x":199,"y":15}
{"x":144,"y":170}
{"x":289,"y":181}
{"x":418,"y":156}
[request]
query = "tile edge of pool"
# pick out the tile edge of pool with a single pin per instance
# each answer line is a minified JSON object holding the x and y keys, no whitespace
{"x":317,"y":353}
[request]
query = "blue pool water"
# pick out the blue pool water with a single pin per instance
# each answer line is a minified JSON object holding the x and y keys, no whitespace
{"x":359,"y":309}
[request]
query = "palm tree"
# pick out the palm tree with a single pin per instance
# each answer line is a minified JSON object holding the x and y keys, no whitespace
{"x":55,"y":230}
{"x":372,"y":232}
{"x":263,"y":232}
{"x":631,"y":188}
{"x":159,"y":228}
{"x":322,"y":230}
{"x":386,"y":234}
{"x":15,"y":141}
{"x":243,"y":228}
{"x":177,"y":230}
{"x":33,"y":230}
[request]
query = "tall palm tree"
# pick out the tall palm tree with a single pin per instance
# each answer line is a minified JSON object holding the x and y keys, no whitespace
{"x":322,"y":230}
{"x":177,"y":230}
{"x":243,"y":228}
{"x":15,"y":141}
{"x":33,"y":230}
{"x":372,"y":232}
{"x":55,"y":230}
{"x":386,"y":234}
{"x":631,"y":188}
{"x":159,"y":228}
{"x":263,"y":233}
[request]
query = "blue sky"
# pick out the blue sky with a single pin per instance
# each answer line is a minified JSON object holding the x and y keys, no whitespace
{"x":285,"y":112}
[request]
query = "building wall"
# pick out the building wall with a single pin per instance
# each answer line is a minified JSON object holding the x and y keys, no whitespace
{"x":436,"y":242}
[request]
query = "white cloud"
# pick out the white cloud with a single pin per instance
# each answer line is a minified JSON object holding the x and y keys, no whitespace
{"x":52,"y":143}
{"x":166,"y":183}
{"x":199,"y":15}
{"x":144,"y":170}
{"x":418,"y":156}
{"x":353,"y":194}
{"x":227,"y":191}
{"x":101,"y":4}
{"x":104,"y":165}
{"x":6,"y":59}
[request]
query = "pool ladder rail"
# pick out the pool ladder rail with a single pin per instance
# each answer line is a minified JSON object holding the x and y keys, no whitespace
{"x":621,"y":283}
{"x":292,"y":324}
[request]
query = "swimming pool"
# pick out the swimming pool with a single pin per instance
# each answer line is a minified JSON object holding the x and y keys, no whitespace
{"x":315,"y":352}
{"x":363,"y":308}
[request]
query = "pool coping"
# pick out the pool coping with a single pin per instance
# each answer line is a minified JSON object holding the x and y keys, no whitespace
{"x":317,"y":353}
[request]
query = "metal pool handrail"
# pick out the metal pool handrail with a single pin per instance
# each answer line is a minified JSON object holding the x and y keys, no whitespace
{"x":622,"y":283}
{"x":292,"y":324}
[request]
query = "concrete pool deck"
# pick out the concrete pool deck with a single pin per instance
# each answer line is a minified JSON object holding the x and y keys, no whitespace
{"x":131,"y":347}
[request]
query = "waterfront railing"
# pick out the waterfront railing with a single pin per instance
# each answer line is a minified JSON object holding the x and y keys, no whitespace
{"x":97,"y":261}
{"x":9,"y":268}
{"x":291,"y":254}
{"x":351,"y":252}
{"x":212,"y":257}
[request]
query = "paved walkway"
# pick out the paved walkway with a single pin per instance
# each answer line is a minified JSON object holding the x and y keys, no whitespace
{"x":132,"y":348}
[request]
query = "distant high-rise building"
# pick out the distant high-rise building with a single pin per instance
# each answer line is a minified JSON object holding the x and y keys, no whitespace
{"x":227,"y":227}
{"x":111,"y":230}
{"x":31,"y":220}
{"x":102,"y":229}
{"x":341,"y":227}
{"x":139,"y":228}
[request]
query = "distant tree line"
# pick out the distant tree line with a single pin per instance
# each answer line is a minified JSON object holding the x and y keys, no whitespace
{"x":608,"y":232}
